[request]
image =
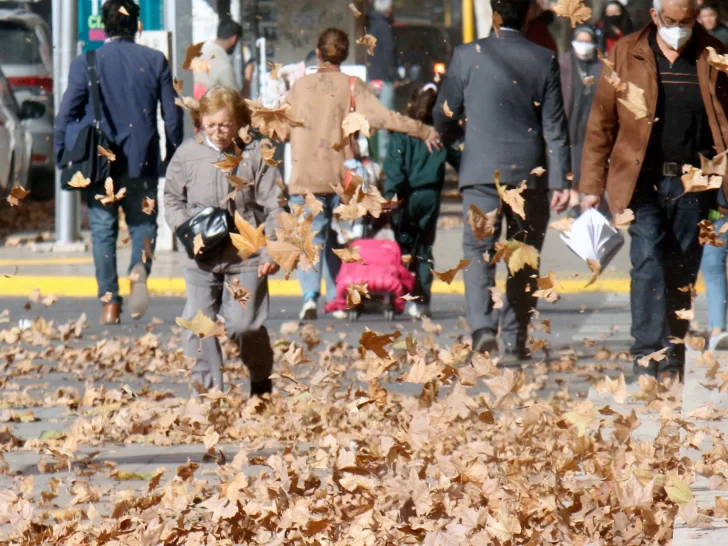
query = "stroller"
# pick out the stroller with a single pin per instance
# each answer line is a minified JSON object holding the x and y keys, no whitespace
{"x":386,"y":277}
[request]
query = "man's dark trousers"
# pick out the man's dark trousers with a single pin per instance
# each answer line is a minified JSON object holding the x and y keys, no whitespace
{"x":480,"y":275}
{"x":665,"y":256}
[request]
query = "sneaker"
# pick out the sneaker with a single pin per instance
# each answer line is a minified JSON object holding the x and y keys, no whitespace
{"x":718,"y":342}
{"x":514,"y":358}
{"x":411,"y":309}
{"x":309,"y":311}
{"x":484,"y":342}
{"x":340,"y":314}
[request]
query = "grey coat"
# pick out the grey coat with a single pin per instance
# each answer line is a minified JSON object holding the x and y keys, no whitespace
{"x":193,"y":183}
{"x":509,"y":91}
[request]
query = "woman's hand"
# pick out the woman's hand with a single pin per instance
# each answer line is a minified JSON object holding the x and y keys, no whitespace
{"x":268,"y":268}
{"x":433,"y":141}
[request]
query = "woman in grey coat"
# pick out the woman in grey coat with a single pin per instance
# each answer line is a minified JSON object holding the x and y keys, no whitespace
{"x":194,"y":183}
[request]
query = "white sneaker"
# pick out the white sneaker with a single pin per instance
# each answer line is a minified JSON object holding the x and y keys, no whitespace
{"x":309,"y":311}
{"x":340,"y":315}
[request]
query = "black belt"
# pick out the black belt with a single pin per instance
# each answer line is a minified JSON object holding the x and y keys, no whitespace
{"x":672,"y":168}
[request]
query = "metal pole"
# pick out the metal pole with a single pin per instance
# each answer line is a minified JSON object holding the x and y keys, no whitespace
{"x":65,"y":45}
{"x":468,"y":26}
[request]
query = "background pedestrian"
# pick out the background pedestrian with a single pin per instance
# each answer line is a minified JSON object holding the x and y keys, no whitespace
{"x":709,"y":17}
{"x":316,"y":166}
{"x":613,"y":25}
{"x":217,"y":53}
{"x":133,"y":81}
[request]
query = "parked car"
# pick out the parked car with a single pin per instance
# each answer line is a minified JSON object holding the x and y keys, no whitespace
{"x":15,"y":139}
{"x":423,"y":51}
{"x":26,"y":59}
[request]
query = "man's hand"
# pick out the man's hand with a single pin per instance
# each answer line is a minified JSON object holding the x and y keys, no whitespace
{"x":560,"y":200}
{"x":433,"y":141}
{"x":590,"y":202}
{"x":268,"y":268}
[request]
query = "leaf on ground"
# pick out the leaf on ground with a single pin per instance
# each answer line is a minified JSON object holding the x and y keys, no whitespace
{"x":368,"y":41}
{"x":616,"y":387}
{"x":17,"y":194}
{"x":349,"y":254}
{"x":202,"y":326}
{"x":248,"y":240}
{"x":622,"y":220}
{"x":482,"y":224}
{"x":693,"y":518}
{"x":449,"y":275}
{"x":574,"y":10}
{"x":583,"y":417}
{"x":110,"y":196}
{"x":677,"y":490}
{"x":354,"y":294}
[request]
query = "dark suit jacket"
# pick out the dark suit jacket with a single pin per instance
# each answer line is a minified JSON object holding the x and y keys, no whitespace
{"x":133,"y":80}
{"x":510,"y":92}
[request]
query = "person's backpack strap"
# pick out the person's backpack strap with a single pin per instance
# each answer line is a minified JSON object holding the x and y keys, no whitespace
{"x":93,"y":78}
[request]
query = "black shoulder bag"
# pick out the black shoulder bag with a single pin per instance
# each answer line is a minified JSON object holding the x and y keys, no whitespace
{"x":84,"y":157}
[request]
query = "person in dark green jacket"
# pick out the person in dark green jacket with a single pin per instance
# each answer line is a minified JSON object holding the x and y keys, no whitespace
{"x":417,"y":177}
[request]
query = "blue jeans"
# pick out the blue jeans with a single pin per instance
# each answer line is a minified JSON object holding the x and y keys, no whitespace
{"x":714,"y":273}
{"x":104,"y":222}
{"x":387,"y":99}
{"x":329,"y":263}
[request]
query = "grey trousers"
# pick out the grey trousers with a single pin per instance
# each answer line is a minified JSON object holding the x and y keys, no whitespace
{"x":480,"y":275}
{"x":206,"y":292}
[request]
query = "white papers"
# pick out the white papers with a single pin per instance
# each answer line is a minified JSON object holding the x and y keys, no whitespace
{"x":591,"y":237}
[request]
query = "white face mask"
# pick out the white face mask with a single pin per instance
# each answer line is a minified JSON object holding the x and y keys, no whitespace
{"x":675,"y":37}
{"x":583,"y":49}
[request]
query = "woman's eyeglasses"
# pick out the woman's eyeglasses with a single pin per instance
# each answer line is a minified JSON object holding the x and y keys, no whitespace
{"x":222,"y":127}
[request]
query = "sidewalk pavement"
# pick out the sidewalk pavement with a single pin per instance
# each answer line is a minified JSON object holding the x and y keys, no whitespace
{"x":24,"y":269}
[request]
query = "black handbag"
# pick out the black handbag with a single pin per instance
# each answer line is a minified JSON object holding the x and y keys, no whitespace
{"x":213,"y":223}
{"x":84,"y":157}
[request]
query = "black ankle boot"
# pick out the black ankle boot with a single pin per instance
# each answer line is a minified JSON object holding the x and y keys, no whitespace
{"x":259,"y":388}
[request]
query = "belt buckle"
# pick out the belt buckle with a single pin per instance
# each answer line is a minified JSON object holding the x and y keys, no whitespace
{"x":671,"y":169}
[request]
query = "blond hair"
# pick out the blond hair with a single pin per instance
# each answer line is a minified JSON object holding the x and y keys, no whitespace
{"x":223,"y":98}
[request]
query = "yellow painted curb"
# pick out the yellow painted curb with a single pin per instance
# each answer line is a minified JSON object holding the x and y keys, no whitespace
{"x":85,"y":287}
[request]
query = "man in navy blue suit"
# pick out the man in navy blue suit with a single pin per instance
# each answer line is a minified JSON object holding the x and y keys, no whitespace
{"x":133,"y":80}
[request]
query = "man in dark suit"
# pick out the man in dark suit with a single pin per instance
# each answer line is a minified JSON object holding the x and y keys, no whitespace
{"x":507,"y":92}
{"x":133,"y":80}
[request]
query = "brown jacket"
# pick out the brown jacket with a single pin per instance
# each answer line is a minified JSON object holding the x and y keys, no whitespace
{"x":616,"y":142}
{"x":194,"y":183}
{"x":321,"y":101}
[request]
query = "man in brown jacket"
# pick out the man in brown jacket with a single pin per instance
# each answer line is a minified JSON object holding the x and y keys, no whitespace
{"x":637,"y":159}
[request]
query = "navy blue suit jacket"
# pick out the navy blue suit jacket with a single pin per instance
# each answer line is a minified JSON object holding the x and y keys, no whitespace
{"x":133,"y":80}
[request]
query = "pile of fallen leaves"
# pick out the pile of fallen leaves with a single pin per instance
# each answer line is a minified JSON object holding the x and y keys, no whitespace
{"x":348,"y":458}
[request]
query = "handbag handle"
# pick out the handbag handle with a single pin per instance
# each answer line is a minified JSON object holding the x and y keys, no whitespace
{"x":353,"y":140}
{"x":93,"y":78}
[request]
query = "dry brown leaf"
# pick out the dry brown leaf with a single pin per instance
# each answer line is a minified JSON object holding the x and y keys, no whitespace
{"x":349,"y":255}
{"x":574,"y":10}
{"x":446,"y":109}
{"x":685,"y":314}
{"x":314,"y":206}
{"x":148,"y":206}
{"x":239,"y":183}
{"x":368,"y":41}
{"x":228,"y":163}
{"x":178,"y":85}
{"x":355,"y":10}
{"x":694,"y":180}
{"x":719,"y":62}
{"x":370,"y":341}
{"x":110,"y":196}
{"x":78,"y":181}
{"x":197,"y":244}
{"x":622,"y":220}
{"x":355,"y":122}
{"x":482,"y":225}
{"x":199,"y":65}
{"x":275,"y":122}
{"x":192,"y":52}
{"x":248,"y":240}
{"x":516,"y":255}
{"x":589,"y":80}
{"x":657,"y":356}
{"x":17,"y":194}
{"x":268,"y":151}
{"x":106,"y":298}
{"x":354,"y":293}
{"x":274,"y":68}
{"x":123,"y":11}
{"x":513,"y":197}
{"x":596,"y":268}
{"x":717,"y":165}
{"x":707,"y":234}
{"x":449,"y":275}
{"x":635,"y":101}
{"x":202,"y":326}
{"x":111,"y":156}
{"x":240,"y":294}
{"x":496,"y":295}
{"x":538,"y":171}
{"x":562,"y":225}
